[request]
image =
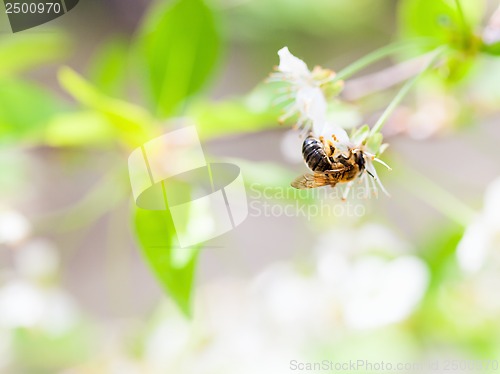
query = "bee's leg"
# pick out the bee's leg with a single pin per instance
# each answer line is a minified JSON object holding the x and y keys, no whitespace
{"x":331,"y":149}
{"x":327,"y":146}
{"x":343,"y":161}
{"x":329,"y":180}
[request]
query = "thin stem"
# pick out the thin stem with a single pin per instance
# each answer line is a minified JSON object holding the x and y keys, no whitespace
{"x":402,"y":93}
{"x":436,"y":196}
{"x":378,"y":55}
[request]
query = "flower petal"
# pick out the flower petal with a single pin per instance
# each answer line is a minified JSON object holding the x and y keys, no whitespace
{"x":492,"y":204}
{"x":337,"y":133}
{"x":311,"y":103}
{"x":472,"y":251}
{"x":382,"y":163}
{"x":369,"y":167}
{"x":291,"y":64}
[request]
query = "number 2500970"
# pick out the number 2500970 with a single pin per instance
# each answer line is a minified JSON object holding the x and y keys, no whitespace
{"x":32,"y":8}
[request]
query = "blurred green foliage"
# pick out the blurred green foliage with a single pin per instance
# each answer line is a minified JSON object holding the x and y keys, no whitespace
{"x":254,"y":112}
{"x":156,"y":234}
{"x":17,"y":51}
{"x":456,"y":23}
{"x":263,"y":21}
{"x":80,"y":129}
{"x":132,"y":124}
{"x":108,"y":67}
{"x":180,"y":45}
{"x":172,"y":58}
{"x":440,"y":19}
{"x":47,"y":353}
{"x":433,"y":323}
{"x":25,"y":110}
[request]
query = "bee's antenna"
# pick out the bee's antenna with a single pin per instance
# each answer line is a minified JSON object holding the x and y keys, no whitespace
{"x":370,"y":174}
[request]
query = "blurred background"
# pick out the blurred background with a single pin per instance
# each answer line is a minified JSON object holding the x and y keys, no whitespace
{"x":409,"y":278}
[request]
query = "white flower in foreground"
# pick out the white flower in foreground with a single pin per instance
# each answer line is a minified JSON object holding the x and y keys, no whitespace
{"x":288,"y":311}
{"x":14,"y":227}
{"x":169,"y":339}
{"x":226,"y":336}
{"x":382,"y":292}
{"x":306,"y":90}
{"x":475,"y":296}
{"x":301,"y":307}
{"x":23,"y":304}
{"x":371,"y":291}
{"x":37,"y":259}
{"x":481,"y":240}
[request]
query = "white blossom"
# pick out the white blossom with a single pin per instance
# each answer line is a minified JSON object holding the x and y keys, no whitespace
{"x":23,"y":304}
{"x":306,"y":91}
{"x":360,"y":142}
{"x":14,"y":227}
{"x":37,"y":259}
{"x":382,"y":292}
{"x":308,"y":100}
{"x":371,"y":291}
{"x":287,"y":311}
{"x":481,"y":239}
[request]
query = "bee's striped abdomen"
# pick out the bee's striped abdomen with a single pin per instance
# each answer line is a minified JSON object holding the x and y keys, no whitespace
{"x":315,"y":156}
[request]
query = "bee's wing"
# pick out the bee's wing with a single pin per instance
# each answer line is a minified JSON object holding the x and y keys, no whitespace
{"x":307,"y":181}
{"x":304,"y":182}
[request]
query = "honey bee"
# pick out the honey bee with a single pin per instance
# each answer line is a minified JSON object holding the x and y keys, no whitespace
{"x":328,"y":167}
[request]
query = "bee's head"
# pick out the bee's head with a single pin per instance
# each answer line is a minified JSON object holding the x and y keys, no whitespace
{"x":359,"y":157}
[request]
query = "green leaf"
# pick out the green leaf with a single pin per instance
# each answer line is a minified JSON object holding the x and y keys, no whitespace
{"x":458,"y":66}
{"x":173,"y":267}
{"x":491,"y":49}
{"x":109,"y":66}
{"x":228,"y":118}
{"x":180,"y":45}
{"x":360,"y":134}
{"x":17,"y":51}
{"x":133,"y":124}
{"x":440,"y":19}
{"x":79,"y":129}
{"x":24,"y":110}
{"x":374,"y":142}
{"x":439,"y":248}
{"x":49,"y":352}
